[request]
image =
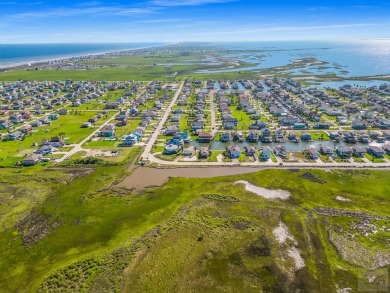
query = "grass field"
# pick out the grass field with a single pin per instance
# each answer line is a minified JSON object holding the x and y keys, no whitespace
{"x":67,"y":125}
{"x":71,"y":230}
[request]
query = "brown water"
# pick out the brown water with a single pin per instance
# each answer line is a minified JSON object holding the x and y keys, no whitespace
{"x":143,"y":177}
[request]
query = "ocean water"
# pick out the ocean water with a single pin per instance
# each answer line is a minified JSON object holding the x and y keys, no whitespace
{"x":347,"y":59}
{"x":25,"y":53}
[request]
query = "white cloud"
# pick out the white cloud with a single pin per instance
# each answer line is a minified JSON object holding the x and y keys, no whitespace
{"x":172,"y":3}
{"x":76,"y":11}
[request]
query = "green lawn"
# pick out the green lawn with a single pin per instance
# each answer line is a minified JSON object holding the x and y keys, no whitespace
{"x":320,"y":135}
{"x":67,"y":125}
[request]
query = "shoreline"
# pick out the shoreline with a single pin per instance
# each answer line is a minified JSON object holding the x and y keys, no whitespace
{"x":77,"y":55}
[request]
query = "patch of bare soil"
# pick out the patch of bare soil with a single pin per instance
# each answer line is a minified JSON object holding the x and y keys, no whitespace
{"x":35,"y":227}
{"x":312,"y":178}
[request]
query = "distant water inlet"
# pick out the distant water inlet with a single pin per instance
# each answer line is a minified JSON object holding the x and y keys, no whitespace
{"x":266,"y":193}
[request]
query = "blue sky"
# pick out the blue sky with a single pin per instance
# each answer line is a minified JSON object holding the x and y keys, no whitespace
{"x":192,"y":20}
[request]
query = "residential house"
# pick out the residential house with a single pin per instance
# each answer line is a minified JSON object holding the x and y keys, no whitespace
{"x":32,"y":160}
{"x":26,"y":129}
{"x":266,"y":154}
{"x":190,"y":151}
{"x":15,"y":135}
{"x":281,"y":151}
{"x":53,"y":116}
{"x":345,"y":152}
{"x":225,"y":137}
{"x":45,"y":150}
{"x":205,"y":137}
{"x":306,"y":137}
{"x":358,"y":151}
{"x":253,"y":136}
{"x":234,"y":151}
{"x":250,"y":150}
{"x":265,"y":135}
{"x":376,"y":151}
{"x":171,"y":149}
{"x":313,"y":153}
{"x":325,"y":150}
{"x":172,"y":129}
{"x":359,"y":124}
{"x":107,"y":131}
{"x":204,"y":152}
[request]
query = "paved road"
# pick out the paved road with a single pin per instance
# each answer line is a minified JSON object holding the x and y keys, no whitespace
{"x":148,"y":148}
{"x":78,"y":147}
{"x":212,"y":109}
{"x":270,"y":164}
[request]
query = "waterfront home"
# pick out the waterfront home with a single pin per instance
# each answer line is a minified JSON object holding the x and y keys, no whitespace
{"x":325,"y":150}
{"x":278,"y":136}
{"x":376,"y":151}
{"x":266,"y":135}
{"x":176,"y":140}
{"x":253,"y":136}
{"x":313,"y":153}
{"x":386,"y":135}
{"x":250,"y":150}
{"x":238,"y":136}
{"x":349,"y":137}
{"x":334,"y":135}
{"x":384,"y":124}
{"x":374,"y":134}
{"x":293,"y":136}
{"x":171,"y":149}
{"x":345,"y":152}
{"x":107,"y":131}
{"x":171,"y":130}
{"x":281,"y":151}
{"x":204,"y":152}
{"x":266,"y":154}
{"x":190,"y":151}
{"x":386,"y":148}
{"x":225,"y":137}
{"x":184,"y":136}
{"x":363,"y":137}
{"x":205,"y":137}
{"x":234,"y":151}
{"x":359,"y":124}
{"x":358,"y":151}
{"x":306,"y":136}
{"x":32,"y":160}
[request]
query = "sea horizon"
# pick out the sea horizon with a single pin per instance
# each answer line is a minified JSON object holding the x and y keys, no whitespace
{"x":12,"y":55}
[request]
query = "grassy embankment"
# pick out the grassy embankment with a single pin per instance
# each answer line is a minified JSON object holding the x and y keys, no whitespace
{"x":83,"y":235}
